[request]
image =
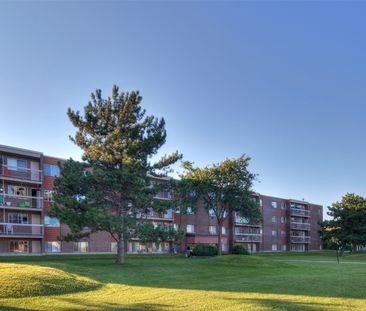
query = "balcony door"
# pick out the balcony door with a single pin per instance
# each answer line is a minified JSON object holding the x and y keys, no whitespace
{"x":34,"y":170}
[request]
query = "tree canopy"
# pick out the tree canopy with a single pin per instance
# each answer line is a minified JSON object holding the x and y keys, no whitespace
{"x":223,"y":189}
{"x":117,"y":181}
{"x":347,"y":228}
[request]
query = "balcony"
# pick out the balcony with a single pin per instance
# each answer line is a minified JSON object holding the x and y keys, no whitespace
{"x":21,"y":230}
{"x":299,"y":212}
{"x":248,"y":237}
{"x":168,"y":215}
{"x":299,"y":226}
{"x":241,"y":221}
{"x":300,"y":239}
{"x":21,"y":202}
{"x":20,"y":174}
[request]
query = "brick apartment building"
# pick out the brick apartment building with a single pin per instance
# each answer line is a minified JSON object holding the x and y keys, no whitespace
{"x":26,"y":185}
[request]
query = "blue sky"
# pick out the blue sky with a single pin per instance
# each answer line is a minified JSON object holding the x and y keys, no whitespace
{"x":283,"y":82}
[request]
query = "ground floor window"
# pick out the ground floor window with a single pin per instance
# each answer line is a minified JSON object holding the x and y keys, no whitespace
{"x":53,"y":247}
{"x":81,"y":247}
{"x":274,"y":247}
{"x":136,"y":247}
{"x":19,"y":247}
{"x":298,"y":247}
{"x":225,"y":247}
{"x":284,"y":247}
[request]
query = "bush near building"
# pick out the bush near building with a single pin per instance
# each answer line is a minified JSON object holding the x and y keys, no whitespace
{"x":240,"y":250}
{"x":205,"y":250}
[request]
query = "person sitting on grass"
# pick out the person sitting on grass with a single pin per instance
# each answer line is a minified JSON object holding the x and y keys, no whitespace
{"x":189,"y":252}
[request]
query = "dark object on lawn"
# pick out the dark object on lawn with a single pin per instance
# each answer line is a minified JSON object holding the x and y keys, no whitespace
{"x":189,"y":252}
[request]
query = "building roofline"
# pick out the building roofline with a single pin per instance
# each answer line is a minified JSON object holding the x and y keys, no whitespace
{"x":21,"y":151}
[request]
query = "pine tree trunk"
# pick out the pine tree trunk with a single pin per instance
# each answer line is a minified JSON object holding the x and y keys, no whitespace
{"x":219,"y":252}
{"x":120,"y":250}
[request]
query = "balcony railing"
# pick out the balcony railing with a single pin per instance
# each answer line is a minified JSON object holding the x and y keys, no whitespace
{"x":300,"y":239}
{"x":248,"y":237}
{"x":241,"y":220}
{"x":10,"y":229}
{"x":299,"y":226}
{"x":16,"y":201}
{"x":21,"y":173}
{"x":168,"y":215}
{"x":300,"y":212}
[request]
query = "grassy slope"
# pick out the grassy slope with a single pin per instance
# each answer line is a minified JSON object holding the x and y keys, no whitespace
{"x":265,"y":282}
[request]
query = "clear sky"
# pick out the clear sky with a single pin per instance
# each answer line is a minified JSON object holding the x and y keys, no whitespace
{"x":283,"y":82}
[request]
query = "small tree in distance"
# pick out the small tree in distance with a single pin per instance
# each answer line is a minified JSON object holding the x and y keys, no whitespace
{"x":224,"y":188}
{"x":113,"y":186}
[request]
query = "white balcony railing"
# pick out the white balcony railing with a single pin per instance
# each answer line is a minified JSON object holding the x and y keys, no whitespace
{"x":248,"y":237}
{"x":300,"y":239}
{"x":299,"y":225}
{"x":11,"y":229}
{"x":299,"y":212}
{"x":9,"y":200}
{"x":21,"y":173}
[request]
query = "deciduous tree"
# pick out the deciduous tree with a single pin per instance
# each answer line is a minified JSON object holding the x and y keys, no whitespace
{"x":224,"y":188}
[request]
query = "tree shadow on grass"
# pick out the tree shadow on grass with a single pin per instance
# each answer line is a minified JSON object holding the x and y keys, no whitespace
{"x":286,"y":305}
{"x":6,"y":308}
{"x":81,"y":304}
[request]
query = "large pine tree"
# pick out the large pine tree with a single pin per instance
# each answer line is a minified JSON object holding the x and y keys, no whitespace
{"x":113,"y":188}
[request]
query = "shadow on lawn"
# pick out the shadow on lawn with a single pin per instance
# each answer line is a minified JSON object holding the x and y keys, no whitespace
{"x":79,"y":303}
{"x":5,"y":308}
{"x":286,"y":304}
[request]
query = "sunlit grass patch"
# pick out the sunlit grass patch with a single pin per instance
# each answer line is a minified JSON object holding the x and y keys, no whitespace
{"x":19,"y":280}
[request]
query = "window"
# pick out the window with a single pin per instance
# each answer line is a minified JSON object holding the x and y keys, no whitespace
{"x":283,"y":233}
{"x":274,"y":218}
{"x":212,"y":230}
{"x":53,"y":247}
{"x":18,"y":247}
{"x":81,"y":247}
{"x":51,"y":221}
{"x":283,"y":205}
{"x":51,"y":170}
{"x":177,"y":210}
{"x":211,"y":212}
{"x":284,"y":247}
{"x":190,"y":228}
{"x":48,"y":195}
{"x":274,"y":247}
{"x":15,"y":218}
{"x":17,"y":165}
{"x":190,"y":210}
{"x":17,"y":190}
{"x":226,"y":213}
{"x":114,"y":247}
{"x":176,"y":227}
{"x":283,"y":220}
{"x":225,"y":230}
{"x":274,"y":233}
{"x":260,"y":202}
{"x":274,"y":204}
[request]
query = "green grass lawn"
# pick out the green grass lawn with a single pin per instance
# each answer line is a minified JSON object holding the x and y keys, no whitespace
{"x":312,"y":281}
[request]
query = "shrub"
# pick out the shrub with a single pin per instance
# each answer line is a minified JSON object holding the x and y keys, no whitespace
{"x":240,"y":250}
{"x":204,"y":250}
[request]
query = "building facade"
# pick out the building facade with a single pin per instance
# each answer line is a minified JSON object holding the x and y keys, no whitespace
{"x":26,"y":188}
